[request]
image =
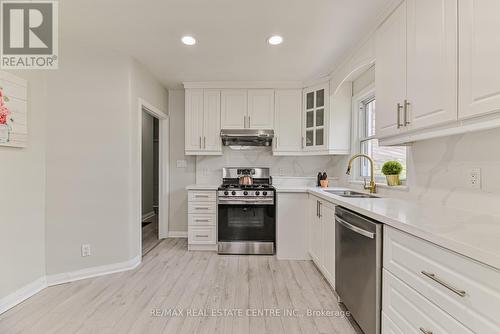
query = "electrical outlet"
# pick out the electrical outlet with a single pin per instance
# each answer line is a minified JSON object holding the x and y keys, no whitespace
{"x":281,"y":171}
{"x":181,"y":163}
{"x":475,"y":178}
{"x":86,"y":250}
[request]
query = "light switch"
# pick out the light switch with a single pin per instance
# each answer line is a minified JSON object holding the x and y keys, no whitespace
{"x":181,"y":163}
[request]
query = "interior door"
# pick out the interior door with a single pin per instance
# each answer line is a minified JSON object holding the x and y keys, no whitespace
{"x":194,"y":119}
{"x":479,"y":50}
{"x":233,"y":108}
{"x":211,"y":120}
{"x":432,"y":62}
{"x":288,"y":118}
{"x":390,"y":72}
{"x":260,"y":109}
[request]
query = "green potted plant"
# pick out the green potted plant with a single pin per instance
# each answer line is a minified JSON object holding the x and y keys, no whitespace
{"x":391,"y":170}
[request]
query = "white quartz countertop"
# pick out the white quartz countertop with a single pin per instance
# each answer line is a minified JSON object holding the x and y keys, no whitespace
{"x":202,"y":187}
{"x":475,"y":235}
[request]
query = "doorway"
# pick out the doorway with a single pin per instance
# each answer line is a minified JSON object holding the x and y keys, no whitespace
{"x":153,"y":167}
{"x":150,"y":181}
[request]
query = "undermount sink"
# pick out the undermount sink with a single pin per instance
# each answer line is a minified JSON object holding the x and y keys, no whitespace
{"x":349,"y":193}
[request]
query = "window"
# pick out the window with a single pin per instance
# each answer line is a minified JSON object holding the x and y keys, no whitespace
{"x":369,"y":145}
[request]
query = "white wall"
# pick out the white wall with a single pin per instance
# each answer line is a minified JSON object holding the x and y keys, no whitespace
{"x":22,"y":197}
{"x":93,"y":157}
{"x":179,"y":177}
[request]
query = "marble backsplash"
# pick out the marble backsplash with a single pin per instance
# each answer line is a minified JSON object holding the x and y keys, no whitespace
{"x":209,"y":168}
{"x":438,"y":170}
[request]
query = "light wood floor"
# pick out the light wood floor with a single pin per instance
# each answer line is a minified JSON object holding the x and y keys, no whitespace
{"x":171,"y":277}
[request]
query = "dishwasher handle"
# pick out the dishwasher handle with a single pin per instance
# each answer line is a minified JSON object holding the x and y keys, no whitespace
{"x":353,"y":228}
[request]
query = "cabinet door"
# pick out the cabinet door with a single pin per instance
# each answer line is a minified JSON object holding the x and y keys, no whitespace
{"x":314,"y":230}
{"x":233,"y":108}
{"x":211,"y":120}
{"x":315,"y":117}
{"x":194,"y":119}
{"x":260,"y":109}
{"x":328,"y":242}
{"x":431,"y":63}
{"x":390,"y":72}
{"x":479,"y":50}
{"x":288,"y":118}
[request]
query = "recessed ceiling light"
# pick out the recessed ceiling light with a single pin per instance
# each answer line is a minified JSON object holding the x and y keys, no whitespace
{"x":275,"y":40}
{"x":188,"y":40}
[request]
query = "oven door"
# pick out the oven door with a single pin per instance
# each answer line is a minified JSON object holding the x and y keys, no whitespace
{"x":246,"y":222}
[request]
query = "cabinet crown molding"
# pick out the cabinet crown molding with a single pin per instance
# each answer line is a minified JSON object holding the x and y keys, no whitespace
{"x":244,"y":84}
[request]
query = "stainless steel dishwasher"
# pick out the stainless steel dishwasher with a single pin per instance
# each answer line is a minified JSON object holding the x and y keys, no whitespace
{"x":358,"y":267}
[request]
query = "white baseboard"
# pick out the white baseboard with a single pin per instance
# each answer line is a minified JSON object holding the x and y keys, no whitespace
{"x":22,"y":294}
{"x":177,"y":234}
{"x":148,"y":215}
{"x":93,"y":272}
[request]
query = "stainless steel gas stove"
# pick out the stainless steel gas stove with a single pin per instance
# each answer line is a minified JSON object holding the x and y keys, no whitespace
{"x":246,"y":213}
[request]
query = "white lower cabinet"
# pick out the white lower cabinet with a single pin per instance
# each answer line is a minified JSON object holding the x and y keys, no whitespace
{"x":321,"y":236}
{"x":410,"y":312}
{"x":434,"y":288}
{"x":291,"y":226}
{"x":202,"y":220}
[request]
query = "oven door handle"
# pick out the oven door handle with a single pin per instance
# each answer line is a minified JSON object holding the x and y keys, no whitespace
{"x":355,"y":229}
{"x":246,"y":201}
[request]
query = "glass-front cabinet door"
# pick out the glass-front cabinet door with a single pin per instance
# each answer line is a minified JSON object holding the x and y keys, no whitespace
{"x":315,"y":117}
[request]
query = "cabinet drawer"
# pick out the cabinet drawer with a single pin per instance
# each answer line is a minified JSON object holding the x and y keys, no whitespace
{"x":201,"y":235}
{"x":202,"y":196}
{"x":467,"y":290}
{"x":409,"y":312}
{"x":203,"y":208}
{"x":202,"y":220}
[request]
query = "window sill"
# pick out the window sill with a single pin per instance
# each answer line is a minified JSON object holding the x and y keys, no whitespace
{"x":403,"y":187}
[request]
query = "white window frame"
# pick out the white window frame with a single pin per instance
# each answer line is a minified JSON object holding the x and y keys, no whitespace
{"x":357,"y":130}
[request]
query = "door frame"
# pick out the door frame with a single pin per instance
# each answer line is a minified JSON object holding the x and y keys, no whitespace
{"x":163,"y":168}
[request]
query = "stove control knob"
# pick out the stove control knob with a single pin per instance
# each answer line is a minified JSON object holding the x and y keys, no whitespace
{"x":257,"y":193}
{"x":226,"y":192}
{"x":264,"y":193}
{"x":245,"y":193}
{"x":233,"y":192}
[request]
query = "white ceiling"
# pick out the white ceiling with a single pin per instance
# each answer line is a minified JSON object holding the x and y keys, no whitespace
{"x":231,"y":35}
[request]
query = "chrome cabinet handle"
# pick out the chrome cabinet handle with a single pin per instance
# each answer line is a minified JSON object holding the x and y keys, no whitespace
{"x":425,"y":331}
{"x":320,"y":215}
{"x":202,"y":235}
{"x":200,"y":142}
{"x":407,"y":105}
{"x":317,"y":208}
{"x":201,"y":196}
{"x":249,"y":121}
{"x":204,"y":142}
{"x":201,"y":208}
{"x":450,"y":287}
{"x":398,"y":111}
{"x":202,"y":220}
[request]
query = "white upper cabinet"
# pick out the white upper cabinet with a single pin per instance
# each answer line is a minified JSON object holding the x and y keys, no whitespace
{"x":416,"y":67}
{"x":287,"y":124}
{"x":316,"y":103}
{"x":432,"y":62}
{"x":202,"y":123}
{"x":260,"y":109}
{"x":234,"y":109}
{"x":194,"y":120}
{"x":211,"y":120}
{"x":479,"y":49}
{"x":390,"y":73}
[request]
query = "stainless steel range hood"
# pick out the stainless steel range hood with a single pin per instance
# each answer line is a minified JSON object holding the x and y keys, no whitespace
{"x":245,"y":138}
